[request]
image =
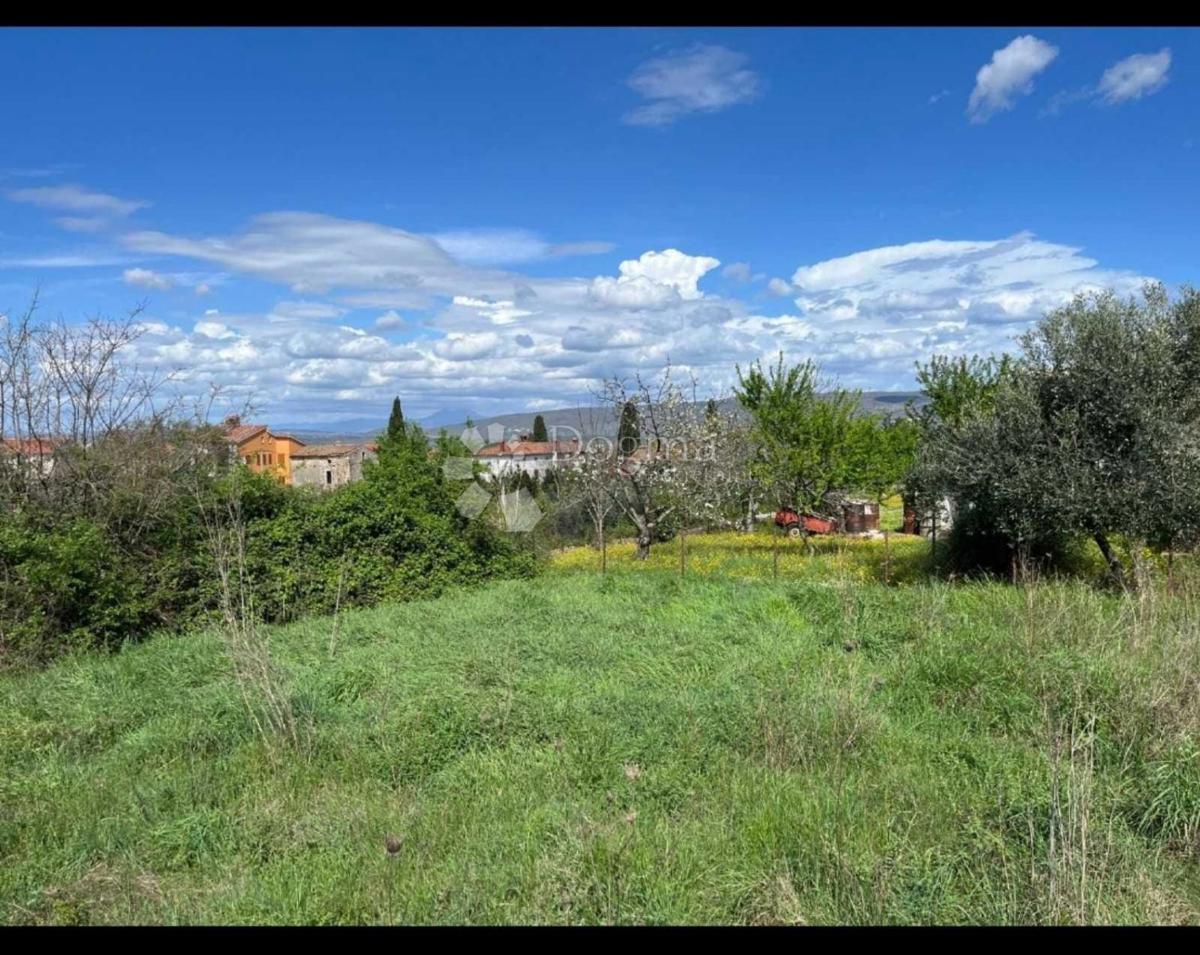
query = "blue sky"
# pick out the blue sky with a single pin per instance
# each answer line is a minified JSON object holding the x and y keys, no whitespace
{"x":493,"y":219}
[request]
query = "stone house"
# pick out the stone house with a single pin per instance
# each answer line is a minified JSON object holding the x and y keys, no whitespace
{"x":326,"y":466}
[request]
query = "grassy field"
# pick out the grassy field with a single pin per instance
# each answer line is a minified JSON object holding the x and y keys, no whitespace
{"x":721,"y":748}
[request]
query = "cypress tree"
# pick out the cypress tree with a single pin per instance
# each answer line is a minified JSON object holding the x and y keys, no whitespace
{"x":395,"y":426}
{"x":539,"y":429}
{"x":628,"y":431}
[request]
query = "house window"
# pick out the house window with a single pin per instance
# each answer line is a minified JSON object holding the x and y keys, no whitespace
{"x":328,"y":477}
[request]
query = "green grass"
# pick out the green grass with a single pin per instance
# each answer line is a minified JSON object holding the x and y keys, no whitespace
{"x":637,"y":748}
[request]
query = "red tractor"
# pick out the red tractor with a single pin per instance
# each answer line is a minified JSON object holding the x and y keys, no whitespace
{"x":795,"y":524}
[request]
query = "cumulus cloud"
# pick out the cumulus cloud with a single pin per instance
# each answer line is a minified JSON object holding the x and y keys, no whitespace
{"x":655,"y":280}
{"x":493,"y":339}
{"x":1008,"y":75}
{"x":216,"y":330}
{"x":458,"y":347}
{"x":779,"y":287}
{"x":147,"y":278}
{"x":202,"y":288}
{"x":704,"y":79}
{"x":1135,"y":76}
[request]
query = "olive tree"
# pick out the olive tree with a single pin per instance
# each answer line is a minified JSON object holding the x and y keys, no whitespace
{"x":1092,"y":430}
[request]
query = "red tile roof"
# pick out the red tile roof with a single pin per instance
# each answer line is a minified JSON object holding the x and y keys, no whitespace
{"x":329,"y":450}
{"x":527,"y":448}
{"x":33,"y":446}
{"x":243,"y":432}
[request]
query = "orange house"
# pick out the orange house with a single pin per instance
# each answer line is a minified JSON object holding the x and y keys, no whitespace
{"x":261,"y":450}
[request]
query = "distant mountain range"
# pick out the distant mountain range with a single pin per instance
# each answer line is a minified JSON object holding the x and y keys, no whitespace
{"x":587,"y":421}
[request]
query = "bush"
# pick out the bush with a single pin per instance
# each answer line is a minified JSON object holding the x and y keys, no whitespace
{"x":64,"y":589}
{"x":117,"y":545}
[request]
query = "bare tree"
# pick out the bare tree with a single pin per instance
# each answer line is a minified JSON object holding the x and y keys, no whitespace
{"x":674,"y":472}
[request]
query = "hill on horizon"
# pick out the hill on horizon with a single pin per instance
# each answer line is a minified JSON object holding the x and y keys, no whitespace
{"x":589,"y":420}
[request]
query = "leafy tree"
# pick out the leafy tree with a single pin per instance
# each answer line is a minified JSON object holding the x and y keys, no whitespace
{"x":957,"y":388}
{"x":395,"y":425}
{"x":539,"y":429}
{"x":1094,"y":431}
{"x":879,"y":454}
{"x":803,"y":437}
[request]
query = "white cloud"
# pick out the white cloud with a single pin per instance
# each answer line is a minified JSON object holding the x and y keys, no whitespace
{"x":586,"y":247}
{"x":65,"y":260}
{"x":704,"y":79}
{"x":497,"y":312}
{"x":202,"y":288}
{"x":456,"y":347}
{"x":390,"y":319}
{"x":510,"y":246}
{"x":942,"y":94}
{"x":71,"y":198}
{"x":738,"y":271}
{"x":1008,"y":75}
{"x":308,"y":310}
{"x":492,"y":340}
{"x":654,"y":280}
{"x":215,"y":330}
{"x":316,"y":253}
{"x":147,"y":278}
{"x":1129,"y":79}
{"x":907,"y":301}
{"x":82,"y":223}
{"x":1135,"y":76}
{"x":779,"y":287}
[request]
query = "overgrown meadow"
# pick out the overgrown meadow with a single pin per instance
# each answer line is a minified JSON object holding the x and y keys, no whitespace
{"x":721,"y":747}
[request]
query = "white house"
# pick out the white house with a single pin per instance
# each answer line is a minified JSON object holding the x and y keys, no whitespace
{"x":531,"y":457}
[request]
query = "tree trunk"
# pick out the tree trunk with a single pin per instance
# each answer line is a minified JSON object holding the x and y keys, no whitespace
{"x":682,"y":551}
{"x":1114,"y":562}
{"x":603,"y":550}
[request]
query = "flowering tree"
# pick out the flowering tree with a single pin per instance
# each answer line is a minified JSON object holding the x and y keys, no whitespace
{"x":672,"y":475}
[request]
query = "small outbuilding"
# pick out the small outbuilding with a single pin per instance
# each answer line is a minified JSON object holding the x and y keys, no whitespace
{"x":858,"y":517}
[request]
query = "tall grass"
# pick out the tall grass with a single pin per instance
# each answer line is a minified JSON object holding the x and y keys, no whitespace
{"x":638,"y":747}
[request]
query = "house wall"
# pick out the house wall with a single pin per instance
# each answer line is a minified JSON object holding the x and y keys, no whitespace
{"x":261,"y":455}
{"x":327,"y":473}
{"x":514,"y":464}
{"x":285,"y":447}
